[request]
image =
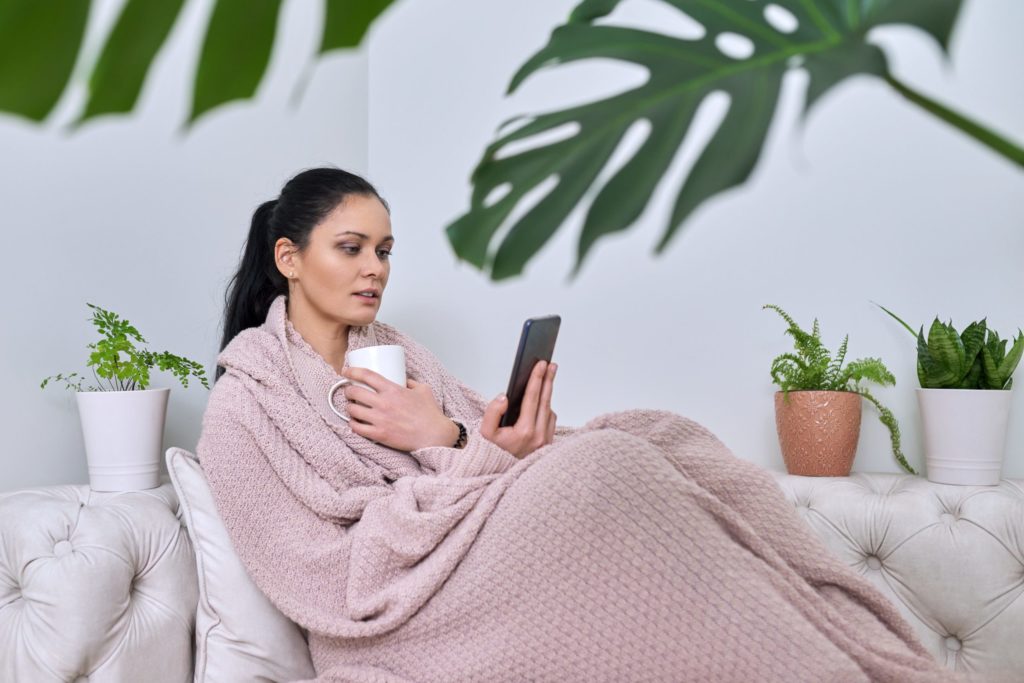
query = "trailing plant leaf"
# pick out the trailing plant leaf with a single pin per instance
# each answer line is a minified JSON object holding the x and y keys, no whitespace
{"x":866,"y":369}
{"x":131,"y":370}
{"x":889,"y":420}
{"x":812,"y":368}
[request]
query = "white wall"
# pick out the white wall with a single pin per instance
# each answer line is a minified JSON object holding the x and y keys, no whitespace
{"x":134,"y":216}
{"x":873,"y":200}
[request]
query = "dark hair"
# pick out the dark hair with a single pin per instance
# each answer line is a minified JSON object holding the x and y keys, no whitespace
{"x":304,"y":202}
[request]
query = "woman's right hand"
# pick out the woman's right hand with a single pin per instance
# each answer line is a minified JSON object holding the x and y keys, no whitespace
{"x":536,"y":424}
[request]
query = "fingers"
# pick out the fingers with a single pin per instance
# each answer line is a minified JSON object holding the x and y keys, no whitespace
{"x":492,"y":416}
{"x":366,"y":431}
{"x":361,"y":413}
{"x":360,"y":395}
{"x":549,"y":436}
{"x":531,"y":399}
{"x":544,"y":410}
{"x":374,"y":380}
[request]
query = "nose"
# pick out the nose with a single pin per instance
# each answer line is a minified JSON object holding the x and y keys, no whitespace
{"x":372,"y":265}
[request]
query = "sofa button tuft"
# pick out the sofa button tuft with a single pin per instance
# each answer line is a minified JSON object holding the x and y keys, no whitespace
{"x":873,"y":562}
{"x":61,"y":548}
{"x":953,"y":643}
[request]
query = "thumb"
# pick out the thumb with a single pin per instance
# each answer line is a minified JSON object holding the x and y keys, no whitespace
{"x":492,"y":414}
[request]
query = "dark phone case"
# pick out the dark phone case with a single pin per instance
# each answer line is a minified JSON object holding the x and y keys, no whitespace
{"x":537,"y":342}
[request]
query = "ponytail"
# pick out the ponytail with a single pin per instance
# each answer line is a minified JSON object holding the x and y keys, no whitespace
{"x":257,"y":282}
{"x":304,"y":202}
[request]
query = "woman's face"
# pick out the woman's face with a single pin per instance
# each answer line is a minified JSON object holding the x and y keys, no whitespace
{"x":347,"y":255}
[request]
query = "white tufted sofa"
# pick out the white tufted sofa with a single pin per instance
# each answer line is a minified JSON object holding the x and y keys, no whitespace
{"x":951,"y":558}
{"x":97,"y":587}
{"x":102,"y":587}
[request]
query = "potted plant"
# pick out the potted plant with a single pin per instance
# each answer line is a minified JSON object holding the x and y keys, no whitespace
{"x":123,"y":421}
{"x":818,"y":406}
{"x":966,"y":386}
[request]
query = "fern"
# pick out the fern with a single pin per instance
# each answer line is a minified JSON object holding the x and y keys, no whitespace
{"x":813,"y":368}
{"x":129,"y":371}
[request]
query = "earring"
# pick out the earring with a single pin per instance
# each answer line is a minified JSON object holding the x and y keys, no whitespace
{"x":292,"y":275}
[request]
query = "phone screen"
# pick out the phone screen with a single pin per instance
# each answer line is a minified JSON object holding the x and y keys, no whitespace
{"x":536,"y":343}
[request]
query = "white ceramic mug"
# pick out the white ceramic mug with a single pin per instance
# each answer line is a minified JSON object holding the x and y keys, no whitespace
{"x":386,"y":360}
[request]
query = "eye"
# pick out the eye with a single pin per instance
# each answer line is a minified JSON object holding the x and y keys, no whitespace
{"x":384,"y":253}
{"x":349,"y":248}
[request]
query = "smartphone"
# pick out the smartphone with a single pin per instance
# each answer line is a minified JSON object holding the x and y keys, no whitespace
{"x":536,"y":343}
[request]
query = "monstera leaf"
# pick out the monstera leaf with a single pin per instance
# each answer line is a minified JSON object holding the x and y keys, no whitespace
{"x":40,"y":44}
{"x":825,"y":37}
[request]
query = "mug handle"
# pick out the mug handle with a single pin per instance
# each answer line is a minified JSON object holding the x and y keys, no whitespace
{"x":330,"y":397}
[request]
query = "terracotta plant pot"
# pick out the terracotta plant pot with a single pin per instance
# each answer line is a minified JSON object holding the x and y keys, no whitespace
{"x":818,"y":431}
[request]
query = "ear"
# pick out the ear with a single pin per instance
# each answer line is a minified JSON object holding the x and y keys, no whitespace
{"x":286,"y":257}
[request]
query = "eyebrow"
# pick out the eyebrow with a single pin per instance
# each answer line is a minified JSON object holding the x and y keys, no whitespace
{"x":364,"y":236}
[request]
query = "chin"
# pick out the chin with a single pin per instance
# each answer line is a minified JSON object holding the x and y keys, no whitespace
{"x":365,"y":317}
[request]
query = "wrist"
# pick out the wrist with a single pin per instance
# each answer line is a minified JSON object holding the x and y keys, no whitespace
{"x":447,"y":433}
{"x":461,"y":436}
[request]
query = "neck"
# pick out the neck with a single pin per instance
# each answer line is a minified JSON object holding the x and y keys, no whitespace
{"x":328,"y":337}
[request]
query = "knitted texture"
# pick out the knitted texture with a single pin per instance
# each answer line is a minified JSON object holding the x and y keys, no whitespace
{"x":633,"y":548}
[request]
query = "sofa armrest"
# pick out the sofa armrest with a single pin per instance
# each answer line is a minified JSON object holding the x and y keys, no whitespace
{"x":95,"y":585}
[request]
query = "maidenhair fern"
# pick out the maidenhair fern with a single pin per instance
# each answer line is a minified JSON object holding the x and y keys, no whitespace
{"x":813,"y":368}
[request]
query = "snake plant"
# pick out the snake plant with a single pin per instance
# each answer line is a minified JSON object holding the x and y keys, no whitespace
{"x":973,"y":359}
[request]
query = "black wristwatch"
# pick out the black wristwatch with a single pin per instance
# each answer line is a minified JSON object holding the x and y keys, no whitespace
{"x":463,"y":436}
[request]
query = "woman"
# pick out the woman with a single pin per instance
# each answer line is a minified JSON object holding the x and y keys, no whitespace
{"x":423,"y":542}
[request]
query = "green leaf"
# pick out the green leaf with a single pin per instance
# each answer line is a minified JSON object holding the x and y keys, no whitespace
{"x":128,"y":54}
{"x":946,"y":349}
{"x":935,"y":17}
{"x":990,"y":362}
{"x":973,"y":378}
{"x":1009,"y":363}
{"x":973,"y":338}
{"x":870,"y":369}
{"x":889,"y":420}
{"x":829,"y":41}
{"x":235,"y":53}
{"x":347,"y":21}
{"x":898,"y":319}
{"x":930,"y":373}
{"x":829,"y":69}
{"x":38,"y":47}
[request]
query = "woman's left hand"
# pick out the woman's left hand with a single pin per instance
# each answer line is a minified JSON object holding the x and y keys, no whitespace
{"x":403,"y":418}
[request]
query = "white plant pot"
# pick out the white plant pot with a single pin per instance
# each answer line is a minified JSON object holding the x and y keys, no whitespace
{"x":124,"y":432}
{"x":964,"y":434}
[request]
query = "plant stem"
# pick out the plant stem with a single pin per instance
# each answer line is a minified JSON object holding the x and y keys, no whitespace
{"x":980,"y":133}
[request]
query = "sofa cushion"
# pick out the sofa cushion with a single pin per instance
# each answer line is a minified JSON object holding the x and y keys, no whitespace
{"x":951,"y":558}
{"x":240,"y":634}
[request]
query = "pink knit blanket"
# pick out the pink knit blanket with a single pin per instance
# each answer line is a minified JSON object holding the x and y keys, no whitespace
{"x":636,"y":547}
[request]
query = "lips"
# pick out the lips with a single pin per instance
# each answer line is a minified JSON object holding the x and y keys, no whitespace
{"x":368,"y":295}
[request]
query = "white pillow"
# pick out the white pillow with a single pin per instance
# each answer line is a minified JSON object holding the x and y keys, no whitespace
{"x":240,"y":635}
